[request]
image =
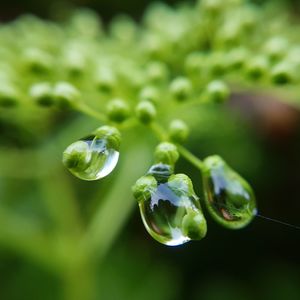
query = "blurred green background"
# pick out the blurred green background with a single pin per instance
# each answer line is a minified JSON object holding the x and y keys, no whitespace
{"x":262,"y":261}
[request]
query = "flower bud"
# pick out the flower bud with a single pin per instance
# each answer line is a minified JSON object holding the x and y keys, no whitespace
{"x":118,"y":110}
{"x":178,"y":131}
{"x":145,"y":112}
{"x":166,"y":153}
{"x":218,"y":91}
{"x":111,"y":134}
{"x":42,"y":94}
{"x":144,"y":187}
{"x":66,"y":94}
{"x":181,"y":88}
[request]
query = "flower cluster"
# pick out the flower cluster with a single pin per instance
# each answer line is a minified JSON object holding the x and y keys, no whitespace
{"x":128,"y":75}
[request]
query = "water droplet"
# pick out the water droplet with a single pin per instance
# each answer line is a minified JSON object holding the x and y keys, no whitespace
{"x":94,"y":156}
{"x":228,"y":197}
{"x":169,"y":207}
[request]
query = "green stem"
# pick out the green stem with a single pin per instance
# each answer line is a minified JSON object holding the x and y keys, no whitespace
{"x":162,"y":135}
{"x":85,"y":109}
{"x":158,"y":131}
{"x":194,"y":160}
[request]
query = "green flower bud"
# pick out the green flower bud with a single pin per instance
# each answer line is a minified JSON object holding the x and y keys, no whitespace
{"x":66,"y":94}
{"x":276,"y":47}
{"x":166,"y":153}
{"x":111,"y":134}
{"x":8,"y":95}
{"x":181,"y":182}
{"x":236,"y":57}
{"x":217,"y":63}
{"x":77,"y":156}
{"x":178,"y":131}
{"x":74,"y":62}
{"x":143,"y":188}
{"x":118,"y":110}
{"x":42,"y":94}
{"x":123,"y":28}
{"x":282,"y":73}
{"x":193,"y":63}
{"x":157,"y":72}
{"x":86,"y":23}
{"x":181,"y":88}
{"x":105,"y":80}
{"x":37,"y":61}
{"x":257,"y":67}
{"x":149,"y":93}
{"x":211,"y":6}
{"x":194,"y":225}
{"x":218,"y":91}
{"x":145,"y":112}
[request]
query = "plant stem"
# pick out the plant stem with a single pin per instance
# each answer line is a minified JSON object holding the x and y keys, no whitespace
{"x":194,"y":160}
{"x":162,"y":135}
{"x":85,"y":109}
{"x":158,"y":131}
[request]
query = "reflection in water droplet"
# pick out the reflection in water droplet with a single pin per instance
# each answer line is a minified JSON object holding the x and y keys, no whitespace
{"x":170,"y":209}
{"x":90,"y":158}
{"x":229,"y":198}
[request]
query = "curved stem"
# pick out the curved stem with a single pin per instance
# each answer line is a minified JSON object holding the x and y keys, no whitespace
{"x":194,"y":160}
{"x":189,"y":156}
{"x":158,"y":131}
{"x":85,"y":109}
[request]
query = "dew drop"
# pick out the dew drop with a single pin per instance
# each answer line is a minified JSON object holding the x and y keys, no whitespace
{"x":169,"y":207}
{"x":228,"y":197}
{"x":92,"y":157}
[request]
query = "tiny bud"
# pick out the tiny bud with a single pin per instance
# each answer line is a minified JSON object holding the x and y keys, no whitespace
{"x":66,"y":94}
{"x":74,"y":62}
{"x":8,"y":96}
{"x":77,"y":156}
{"x":211,"y":6}
{"x":105,"y":80}
{"x":218,"y":91}
{"x":276,"y":47}
{"x":157,"y":72}
{"x":42,"y":94}
{"x":118,"y":110}
{"x":166,"y":153}
{"x":178,"y":131}
{"x":149,"y":93}
{"x":194,"y":225}
{"x":145,"y":112}
{"x":194,"y":63}
{"x":257,"y":67}
{"x":111,"y":134}
{"x":144,"y":187}
{"x":282,"y":73}
{"x":181,"y":88}
{"x":37,"y":60}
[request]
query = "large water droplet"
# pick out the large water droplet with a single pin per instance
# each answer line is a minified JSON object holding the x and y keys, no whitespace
{"x":169,"y":207}
{"x":228,"y":197}
{"x":92,"y":157}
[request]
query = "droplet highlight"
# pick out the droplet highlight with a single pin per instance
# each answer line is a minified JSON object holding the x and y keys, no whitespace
{"x":94,"y":156}
{"x":169,"y":207}
{"x":229,"y":198}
